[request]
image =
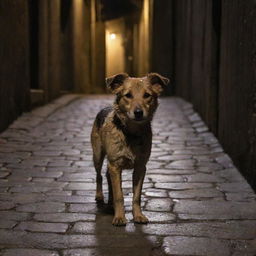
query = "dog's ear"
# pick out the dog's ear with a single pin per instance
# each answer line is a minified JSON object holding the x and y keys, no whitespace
{"x":114,"y":83}
{"x":158,"y":82}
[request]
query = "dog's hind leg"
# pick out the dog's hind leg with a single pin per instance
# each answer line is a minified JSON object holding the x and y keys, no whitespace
{"x":98,"y":158}
{"x":98,"y":161}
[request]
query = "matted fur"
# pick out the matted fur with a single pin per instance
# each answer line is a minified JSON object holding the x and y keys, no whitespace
{"x":123,"y":134}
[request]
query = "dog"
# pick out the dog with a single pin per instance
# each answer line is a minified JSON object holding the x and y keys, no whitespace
{"x":123,"y":134}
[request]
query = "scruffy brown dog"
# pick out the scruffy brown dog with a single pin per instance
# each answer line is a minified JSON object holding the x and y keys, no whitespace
{"x":123,"y":133}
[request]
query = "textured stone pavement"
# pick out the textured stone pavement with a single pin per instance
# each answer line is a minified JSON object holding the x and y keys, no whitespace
{"x":197,"y":202}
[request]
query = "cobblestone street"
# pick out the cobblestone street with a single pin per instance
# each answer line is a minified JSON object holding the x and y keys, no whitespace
{"x":196,"y":200}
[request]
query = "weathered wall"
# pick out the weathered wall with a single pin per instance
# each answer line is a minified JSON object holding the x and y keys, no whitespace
{"x":82,"y":46}
{"x":64,"y":47}
{"x":71,"y":47}
{"x":237,"y":88}
{"x":14,"y":74}
{"x":49,"y":51}
{"x":215,"y":69}
{"x":196,"y":51}
{"x":143,"y":40}
{"x":97,"y":50}
{"x":162,"y":42}
{"x":48,"y":47}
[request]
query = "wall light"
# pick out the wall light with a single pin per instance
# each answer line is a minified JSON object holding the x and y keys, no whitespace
{"x":112,"y":36}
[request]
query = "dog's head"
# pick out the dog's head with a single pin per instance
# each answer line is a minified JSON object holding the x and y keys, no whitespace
{"x":136,"y":98}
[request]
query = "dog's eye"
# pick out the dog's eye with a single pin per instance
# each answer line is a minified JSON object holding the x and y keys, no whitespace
{"x":146,"y":95}
{"x":128,"y":95}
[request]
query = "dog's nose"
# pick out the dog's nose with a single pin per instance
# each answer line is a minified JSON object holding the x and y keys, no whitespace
{"x":138,"y":113}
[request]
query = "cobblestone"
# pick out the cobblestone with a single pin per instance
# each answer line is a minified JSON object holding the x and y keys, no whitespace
{"x":42,"y":207}
{"x":29,"y":252}
{"x":159,"y":204}
{"x":196,"y":200}
{"x":212,"y":210}
{"x":64,"y":217}
{"x":214,"y":229}
{"x":43,"y":227}
{"x":195,"y":246}
{"x":196,"y":193}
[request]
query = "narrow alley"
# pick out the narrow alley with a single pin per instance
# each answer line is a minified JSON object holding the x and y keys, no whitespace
{"x":196,"y":200}
{"x":60,"y":59}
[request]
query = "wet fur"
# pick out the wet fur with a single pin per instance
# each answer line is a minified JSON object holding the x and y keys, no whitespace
{"x":125,"y":141}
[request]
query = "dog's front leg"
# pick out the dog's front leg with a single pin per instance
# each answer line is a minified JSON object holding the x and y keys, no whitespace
{"x":138,"y":178}
{"x":115,"y":175}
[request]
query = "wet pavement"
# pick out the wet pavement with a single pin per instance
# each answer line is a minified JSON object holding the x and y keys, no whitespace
{"x":196,"y":200}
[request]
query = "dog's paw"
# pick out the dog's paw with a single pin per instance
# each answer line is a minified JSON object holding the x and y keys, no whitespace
{"x":119,"y":221}
{"x":141,"y":219}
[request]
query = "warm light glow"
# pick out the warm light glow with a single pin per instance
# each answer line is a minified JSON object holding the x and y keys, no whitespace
{"x":112,"y":36}
{"x":115,"y":54}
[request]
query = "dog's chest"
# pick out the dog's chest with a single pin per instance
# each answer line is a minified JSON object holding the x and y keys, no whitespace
{"x":123,"y":147}
{"x":124,"y":150}
{"x":127,"y":154}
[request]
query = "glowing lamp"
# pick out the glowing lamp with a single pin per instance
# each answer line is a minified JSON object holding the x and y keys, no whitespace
{"x":112,"y":36}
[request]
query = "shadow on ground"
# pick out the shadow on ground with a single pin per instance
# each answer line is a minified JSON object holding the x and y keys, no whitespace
{"x":123,"y":241}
